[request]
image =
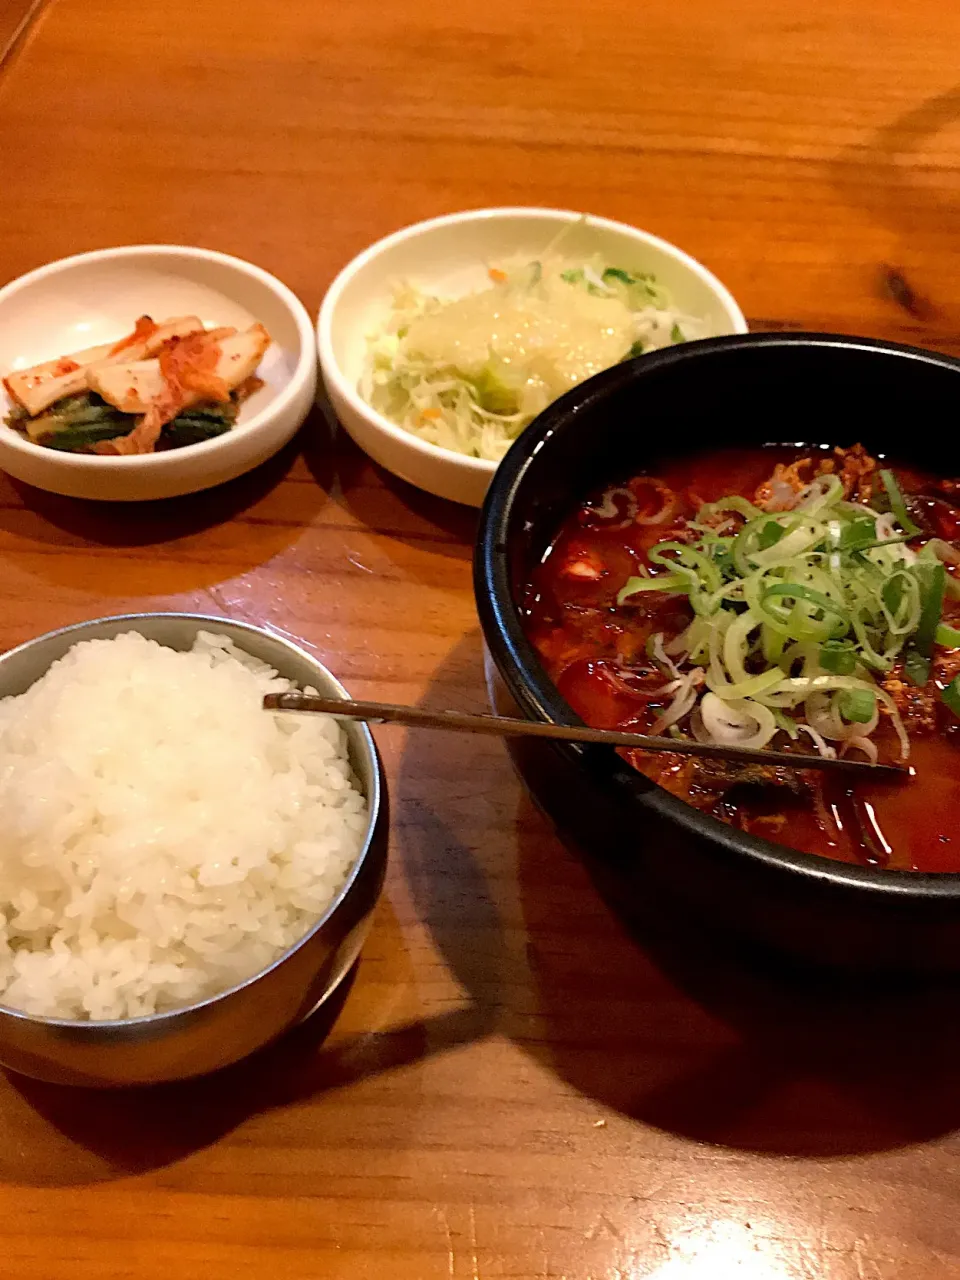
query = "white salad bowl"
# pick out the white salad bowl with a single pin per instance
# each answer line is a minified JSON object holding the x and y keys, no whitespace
{"x":94,"y":298}
{"x":449,"y":257}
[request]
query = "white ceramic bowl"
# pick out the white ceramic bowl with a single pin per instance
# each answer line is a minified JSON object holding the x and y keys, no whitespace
{"x":95,"y":297}
{"x":449,"y":256}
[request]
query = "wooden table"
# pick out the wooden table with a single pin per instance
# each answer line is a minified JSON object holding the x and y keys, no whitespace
{"x":515,"y":1086}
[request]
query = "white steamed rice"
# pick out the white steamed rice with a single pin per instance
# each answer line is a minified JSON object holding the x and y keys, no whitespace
{"x":161,"y":836}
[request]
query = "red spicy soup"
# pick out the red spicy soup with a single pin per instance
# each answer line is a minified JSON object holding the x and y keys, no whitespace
{"x":610,"y":660}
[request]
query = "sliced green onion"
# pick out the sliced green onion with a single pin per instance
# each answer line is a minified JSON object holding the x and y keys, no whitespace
{"x":885,"y":542}
{"x":812,"y":590}
{"x":746,"y":542}
{"x":614,"y":273}
{"x":722,"y":558}
{"x":815,"y":503}
{"x":916,"y":668}
{"x":857,"y":706}
{"x":749,"y":688}
{"x":802,"y":537}
{"x":736,"y":646}
{"x":666,"y":582}
{"x":784,"y":722}
{"x":917,"y":660}
{"x":838,"y":657}
{"x":676,"y":334}
{"x":870,"y":655}
{"x":688,"y":558}
{"x":897,"y":504}
{"x":892,"y":592}
{"x":741,"y":506}
{"x":772,"y":643}
{"x":701,"y":575}
{"x":858,"y":533}
{"x":902,"y":603}
{"x":769,"y":535}
{"x":951,"y":696}
{"x":796,"y":591}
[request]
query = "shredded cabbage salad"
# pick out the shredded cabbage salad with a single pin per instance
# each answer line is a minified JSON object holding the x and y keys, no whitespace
{"x":798,"y":614}
{"x":468,"y":374}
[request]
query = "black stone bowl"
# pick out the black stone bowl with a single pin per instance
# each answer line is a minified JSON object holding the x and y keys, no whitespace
{"x":754,"y":389}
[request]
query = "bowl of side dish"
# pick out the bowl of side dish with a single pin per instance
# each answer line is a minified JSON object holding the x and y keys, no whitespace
{"x":183,"y":874}
{"x":149,"y":371}
{"x":790,"y":578}
{"x":441,"y":342}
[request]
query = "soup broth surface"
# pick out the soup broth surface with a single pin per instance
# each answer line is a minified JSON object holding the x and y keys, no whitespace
{"x":598,"y":654}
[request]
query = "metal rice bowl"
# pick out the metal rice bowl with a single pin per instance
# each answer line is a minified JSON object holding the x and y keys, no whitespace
{"x":223,"y":1028}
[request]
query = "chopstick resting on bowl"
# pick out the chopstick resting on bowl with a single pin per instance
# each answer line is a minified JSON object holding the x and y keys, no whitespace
{"x":505,"y":727}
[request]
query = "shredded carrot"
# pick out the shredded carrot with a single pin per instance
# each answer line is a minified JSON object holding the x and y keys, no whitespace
{"x":496,"y":275}
{"x":430,"y":415}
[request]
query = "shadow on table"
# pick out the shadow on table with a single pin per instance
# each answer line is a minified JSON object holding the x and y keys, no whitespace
{"x":113,"y":1132}
{"x":380,"y":500}
{"x":733,"y":1047}
{"x":55,"y":1135}
{"x":71,"y":524}
{"x":654,"y":1016}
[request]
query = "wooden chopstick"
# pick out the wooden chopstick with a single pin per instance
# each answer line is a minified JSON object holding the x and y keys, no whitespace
{"x":504,"y":727}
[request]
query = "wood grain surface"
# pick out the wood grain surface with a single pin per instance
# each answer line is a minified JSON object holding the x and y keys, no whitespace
{"x":516,"y":1086}
{"x":17,"y":18}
